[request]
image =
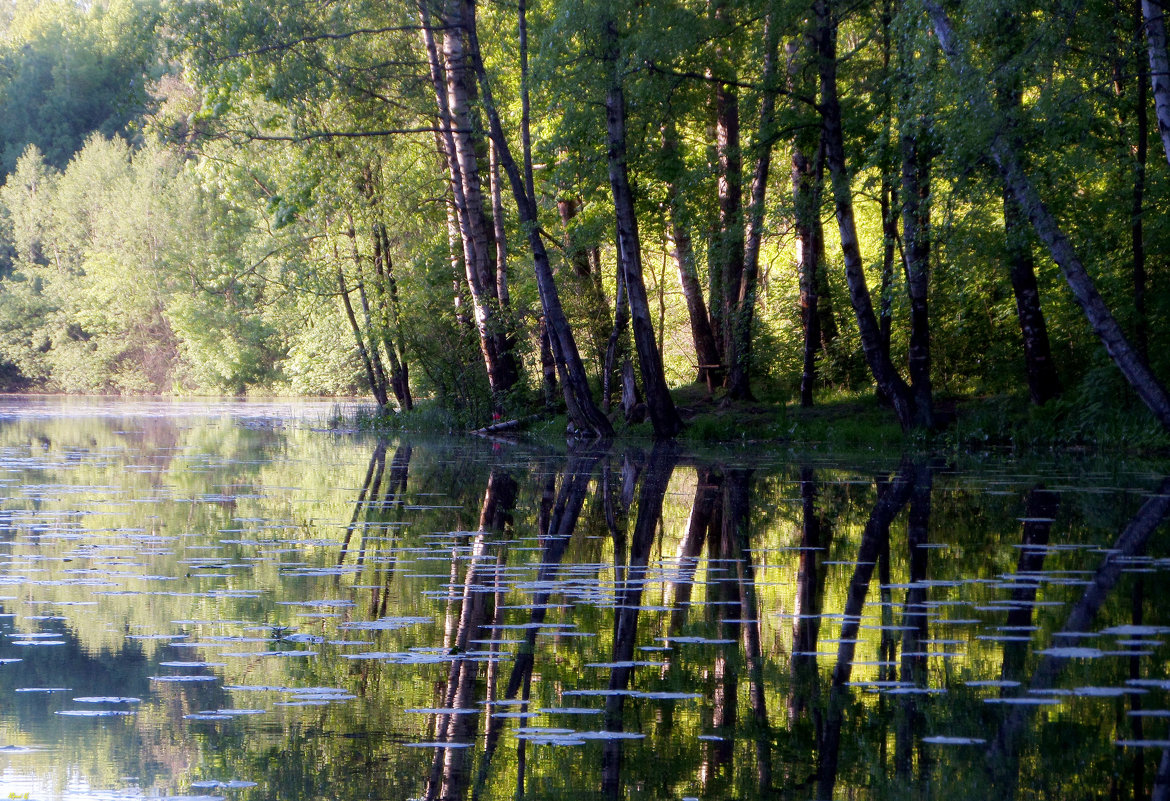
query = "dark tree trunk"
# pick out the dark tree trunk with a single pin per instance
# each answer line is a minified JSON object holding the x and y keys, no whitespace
{"x":1141,"y":334}
{"x":575,"y":255}
{"x":366,"y":332}
{"x":386,"y":287}
{"x":916,"y":158}
{"x":659,"y":404}
{"x":548,"y":366}
{"x":727,"y":255}
{"x":615,"y":348}
{"x":826,"y":311}
{"x":499,"y":233}
{"x":743,"y":306}
{"x":588,"y":281}
{"x":706,"y":350}
{"x":376,"y":388}
{"x":1131,"y":364}
{"x":806,"y":189}
{"x":886,"y":201}
{"x":1043,"y":381}
{"x":888,"y":194}
{"x":888,"y":381}
{"x":583,"y":412}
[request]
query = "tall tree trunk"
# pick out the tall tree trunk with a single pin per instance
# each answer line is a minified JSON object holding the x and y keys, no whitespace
{"x":583,"y":412}
{"x":501,"y":236}
{"x":1132,"y":366}
{"x":455,"y":252}
{"x":702,"y":335}
{"x":727,"y":255}
{"x":451,"y":80}
{"x":378,"y":390}
{"x":659,"y":404}
{"x":887,"y":198}
{"x":525,"y":105}
{"x":1043,"y":381}
{"x":548,"y":365}
{"x":615,"y":348}
{"x":744,"y":299}
{"x":1137,"y":233}
{"x":1155,"y":14}
{"x":885,"y":374}
{"x":390,"y":323}
{"x":807,"y":186}
{"x":888,"y":194}
{"x":371,"y":351}
{"x":916,"y":158}
{"x":587,"y":281}
{"x":806,"y":190}
{"x":826,"y":311}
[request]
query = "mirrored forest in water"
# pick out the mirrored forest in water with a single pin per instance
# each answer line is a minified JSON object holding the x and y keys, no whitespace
{"x":242,"y":607}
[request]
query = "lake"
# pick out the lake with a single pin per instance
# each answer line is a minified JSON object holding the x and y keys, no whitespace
{"x":226,"y":600}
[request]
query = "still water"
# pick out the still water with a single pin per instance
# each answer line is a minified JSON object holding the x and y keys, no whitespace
{"x":226,"y":601}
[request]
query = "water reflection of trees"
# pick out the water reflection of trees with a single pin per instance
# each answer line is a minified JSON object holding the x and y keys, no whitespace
{"x":772,"y":722}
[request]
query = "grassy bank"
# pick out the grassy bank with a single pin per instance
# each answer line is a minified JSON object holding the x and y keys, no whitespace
{"x":850,"y":422}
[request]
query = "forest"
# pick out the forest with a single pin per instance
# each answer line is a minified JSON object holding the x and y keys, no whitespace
{"x":498,"y":209}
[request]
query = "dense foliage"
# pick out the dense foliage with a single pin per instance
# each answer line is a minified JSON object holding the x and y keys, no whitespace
{"x":484,"y":207}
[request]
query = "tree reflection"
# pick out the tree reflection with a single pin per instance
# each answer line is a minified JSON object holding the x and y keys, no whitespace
{"x":816,"y":534}
{"x":891,"y":499}
{"x":1004,"y":751}
{"x":629,"y":596}
{"x":450,"y":770}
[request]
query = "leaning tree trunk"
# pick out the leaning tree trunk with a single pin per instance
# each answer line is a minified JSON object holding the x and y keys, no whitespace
{"x":583,"y":412}
{"x":1155,"y":14}
{"x":892,"y":385}
{"x":659,"y":404}
{"x":1104,"y":324}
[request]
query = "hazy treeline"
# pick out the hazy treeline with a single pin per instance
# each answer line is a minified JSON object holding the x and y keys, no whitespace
{"x":499,"y":207}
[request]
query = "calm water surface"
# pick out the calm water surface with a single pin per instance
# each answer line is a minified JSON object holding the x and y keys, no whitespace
{"x":224,"y":601}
